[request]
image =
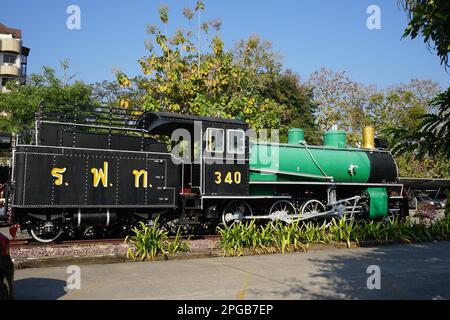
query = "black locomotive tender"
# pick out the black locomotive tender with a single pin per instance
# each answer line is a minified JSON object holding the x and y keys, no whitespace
{"x":99,"y":170}
{"x":107,"y":171}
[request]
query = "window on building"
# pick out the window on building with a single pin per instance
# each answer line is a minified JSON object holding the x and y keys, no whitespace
{"x":235,"y":141}
{"x":214,"y":141}
{"x":9,"y":58}
{"x":5,"y":80}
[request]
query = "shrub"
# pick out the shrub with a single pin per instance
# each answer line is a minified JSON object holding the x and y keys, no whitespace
{"x":178,"y":245}
{"x":236,"y":238}
{"x":280,"y":237}
{"x":150,"y":241}
{"x":343,"y":230}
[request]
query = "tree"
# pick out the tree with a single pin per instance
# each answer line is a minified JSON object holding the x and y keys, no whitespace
{"x":428,"y":167}
{"x":18,"y":106}
{"x":351,"y":105}
{"x":401,"y":106}
{"x":431,"y":19}
{"x":431,"y":136}
{"x":340,"y":101}
{"x":111,"y":93}
{"x":177,"y":77}
{"x":297,"y":98}
{"x":393,"y":112}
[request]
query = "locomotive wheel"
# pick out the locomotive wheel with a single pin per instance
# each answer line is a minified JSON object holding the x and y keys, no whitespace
{"x":312,"y":208}
{"x":47,"y":231}
{"x":45,"y":237}
{"x":240,"y":208}
{"x":283,"y":210}
{"x":389,"y":217}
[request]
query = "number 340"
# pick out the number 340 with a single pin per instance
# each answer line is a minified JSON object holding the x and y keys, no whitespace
{"x":230,"y":177}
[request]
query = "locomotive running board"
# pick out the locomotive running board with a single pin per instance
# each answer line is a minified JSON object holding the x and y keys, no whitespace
{"x":328,"y":183}
{"x":247,"y":197}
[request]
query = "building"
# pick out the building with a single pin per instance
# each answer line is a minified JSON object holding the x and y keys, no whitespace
{"x":13,"y":56}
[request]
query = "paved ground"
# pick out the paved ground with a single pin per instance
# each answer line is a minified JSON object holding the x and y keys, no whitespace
{"x":19,"y":235}
{"x":4,"y":230}
{"x":419,"y":271}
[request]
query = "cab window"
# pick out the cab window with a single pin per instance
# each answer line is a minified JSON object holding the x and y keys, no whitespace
{"x":214,"y":142}
{"x":235,"y":141}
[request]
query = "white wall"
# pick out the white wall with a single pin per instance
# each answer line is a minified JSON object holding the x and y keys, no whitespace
{"x":18,"y":57}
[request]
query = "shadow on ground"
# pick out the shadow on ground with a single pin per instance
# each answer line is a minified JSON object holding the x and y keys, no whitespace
{"x":419,"y":271}
{"x":43,"y":289}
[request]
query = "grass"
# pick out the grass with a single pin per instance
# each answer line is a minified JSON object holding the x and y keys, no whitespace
{"x":242,"y":238}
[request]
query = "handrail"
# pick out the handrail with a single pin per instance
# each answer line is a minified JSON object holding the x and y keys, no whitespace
{"x":93,"y":126}
{"x":295,"y":174}
{"x":314,"y":160}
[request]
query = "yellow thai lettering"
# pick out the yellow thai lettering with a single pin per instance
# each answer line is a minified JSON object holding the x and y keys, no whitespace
{"x":57,"y":173}
{"x":100,"y":175}
{"x":137,"y":177}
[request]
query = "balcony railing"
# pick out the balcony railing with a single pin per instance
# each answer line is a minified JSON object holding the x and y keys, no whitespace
{"x":9,"y":70}
{"x":10,"y":45}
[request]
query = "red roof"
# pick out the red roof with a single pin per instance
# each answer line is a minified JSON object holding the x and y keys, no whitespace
{"x":16,"y":33}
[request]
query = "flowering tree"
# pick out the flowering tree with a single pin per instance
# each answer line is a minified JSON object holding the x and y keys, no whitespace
{"x":177,"y":77}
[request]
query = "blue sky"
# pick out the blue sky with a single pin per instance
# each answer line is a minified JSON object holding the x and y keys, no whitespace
{"x":308,"y":34}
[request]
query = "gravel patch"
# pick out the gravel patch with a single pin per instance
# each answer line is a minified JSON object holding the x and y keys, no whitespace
{"x":75,"y":250}
{"x":90,"y":250}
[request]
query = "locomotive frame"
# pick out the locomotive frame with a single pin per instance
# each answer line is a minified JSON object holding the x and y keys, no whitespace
{"x":92,"y":169}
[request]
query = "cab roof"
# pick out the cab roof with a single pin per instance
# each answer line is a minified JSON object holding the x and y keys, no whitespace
{"x":166,"y":122}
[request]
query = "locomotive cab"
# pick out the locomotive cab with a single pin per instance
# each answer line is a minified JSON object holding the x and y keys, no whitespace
{"x":212,"y":152}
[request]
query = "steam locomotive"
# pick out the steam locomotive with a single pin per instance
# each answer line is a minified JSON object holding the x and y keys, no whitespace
{"x":89,"y":170}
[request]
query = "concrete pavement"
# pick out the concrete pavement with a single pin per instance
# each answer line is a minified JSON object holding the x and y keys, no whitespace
{"x":419,"y":271}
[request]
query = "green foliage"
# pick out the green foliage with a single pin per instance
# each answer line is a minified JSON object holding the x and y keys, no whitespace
{"x":177,"y":244}
{"x":340,"y":101}
{"x":411,"y":118}
{"x":409,"y":165}
{"x":149,"y":241}
{"x":111,"y":93}
{"x":18,"y":107}
{"x":297,"y":98}
{"x":236,"y":238}
{"x":285,"y":236}
{"x":242,"y":238}
{"x":351,"y":106}
{"x":431,"y":19}
{"x":431,"y":136}
{"x":177,"y":77}
{"x":343,"y":230}
{"x":401,"y":106}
